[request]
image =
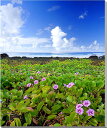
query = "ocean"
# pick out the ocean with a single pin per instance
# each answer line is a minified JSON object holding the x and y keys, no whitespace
{"x":72,"y":54}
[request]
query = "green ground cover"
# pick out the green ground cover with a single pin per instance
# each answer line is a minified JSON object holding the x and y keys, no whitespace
{"x":49,"y":94}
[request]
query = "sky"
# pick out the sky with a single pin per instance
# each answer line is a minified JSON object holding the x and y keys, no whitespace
{"x":52,"y":26}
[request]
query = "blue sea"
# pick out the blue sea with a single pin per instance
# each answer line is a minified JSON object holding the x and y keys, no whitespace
{"x":73,"y":54}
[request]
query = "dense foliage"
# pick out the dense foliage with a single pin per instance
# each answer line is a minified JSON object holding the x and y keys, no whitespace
{"x":50,"y":94}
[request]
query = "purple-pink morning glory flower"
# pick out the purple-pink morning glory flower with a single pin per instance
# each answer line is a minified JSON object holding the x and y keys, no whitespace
{"x":43,"y":79}
{"x":30,"y":108}
{"x":38,"y":72}
{"x":55,"y":86}
{"x":79,"y":111}
{"x":70,"y":85}
{"x":79,"y":105}
{"x":31,"y":77}
{"x":86,"y":103}
{"x":76,"y":73}
{"x":90,"y":112}
{"x":61,"y":113}
{"x":25,"y":97}
{"x":36,"y":82}
{"x":29,"y":84}
{"x":65,"y":85}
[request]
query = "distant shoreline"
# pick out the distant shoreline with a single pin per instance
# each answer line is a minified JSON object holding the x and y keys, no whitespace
{"x":5,"y":55}
{"x":61,"y":55}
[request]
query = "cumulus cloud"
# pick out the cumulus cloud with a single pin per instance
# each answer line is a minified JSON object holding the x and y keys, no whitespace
{"x":61,"y":44}
{"x":59,"y":40}
{"x":83,"y":15}
{"x":11,"y":39}
{"x":11,"y":19}
{"x":53,"y":8}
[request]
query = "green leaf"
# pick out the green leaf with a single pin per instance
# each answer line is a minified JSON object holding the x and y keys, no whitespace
{"x":46,"y":110}
{"x":56,"y":107}
{"x":57,"y":124}
{"x":51,"y":117}
{"x":21,"y":107}
{"x":69,"y":98}
{"x":17,"y":121}
{"x":70,"y":119}
{"x":20,"y":93}
{"x":2,"y":122}
{"x":11,"y":106}
{"x":25,"y":124}
{"x":65,"y":111}
{"x":14,"y":97}
{"x":12,"y":123}
{"x":28,"y":118}
{"x":60,"y":95}
{"x":86,"y":118}
{"x":40,"y":105}
{"x":45,"y":89}
{"x":80,"y":91}
{"x":93,"y":122}
{"x":100,"y":118}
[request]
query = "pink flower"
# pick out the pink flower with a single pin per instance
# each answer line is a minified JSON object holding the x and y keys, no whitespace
{"x":76,"y":73}
{"x":79,"y":111}
{"x":86,"y":103}
{"x":43,"y":79}
{"x":70,"y":85}
{"x":30,"y":108}
{"x":90,"y":112}
{"x":79,"y":105}
{"x":55,"y":86}
{"x":29,"y":84}
{"x":36,"y":82}
{"x":61,"y":113}
{"x":25,"y":97}
{"x":31,"y":77}
{"x":65,"y":85}
{"x":38,"y":72}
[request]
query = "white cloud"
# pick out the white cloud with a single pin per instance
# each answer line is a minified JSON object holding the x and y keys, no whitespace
{"x":43,"y":30}
{"x":94,"y":46}
{"x":12,"y":41}
{"x":83,"y":15}
{"x":47,"y":28}
{"x":10,"y":37}
{"x":20,"y":44}
{"x":16,"y":1}
{"x":57,"y":43}
{"x":39,"y":32}
{"x":61,"y":44}
{"x":11,"y":19}
{"x":59,"y":40}
{"x":53,"y":8}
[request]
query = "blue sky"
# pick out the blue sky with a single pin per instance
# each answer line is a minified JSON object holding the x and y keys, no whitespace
{"x":52,"y":26}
